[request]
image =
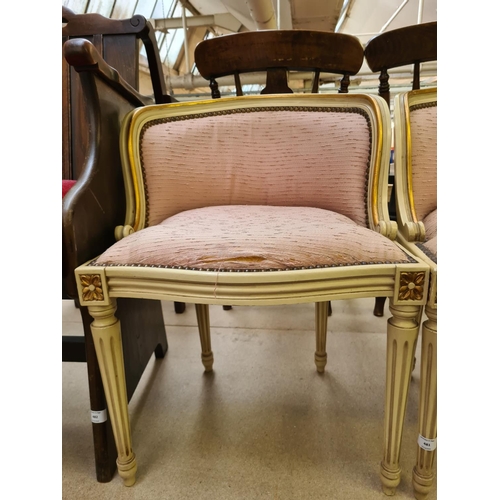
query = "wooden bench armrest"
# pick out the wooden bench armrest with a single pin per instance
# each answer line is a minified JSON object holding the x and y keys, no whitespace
{"x":96,"y":204}
{"x":83,"y":56}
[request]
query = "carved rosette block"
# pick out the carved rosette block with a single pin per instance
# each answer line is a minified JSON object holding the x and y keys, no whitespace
{"x":108,"y":345}
{"x":402,"y":333}
{"x":92,"y":287}
{"x":423,"y":476}
{"x":203,"y":317}
{"x":411,"y":287}
{"x":321,"y":311}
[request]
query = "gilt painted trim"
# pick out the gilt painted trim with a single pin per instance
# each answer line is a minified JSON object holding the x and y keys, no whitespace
{"x":409,"y":176}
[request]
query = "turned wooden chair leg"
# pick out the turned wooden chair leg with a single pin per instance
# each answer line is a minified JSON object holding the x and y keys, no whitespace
{"x":108,"y":345}
{"x":321,"y":329}
{"x":378,"y":309}
{"x":203,"y":317}
{"x":402,"y":333}
{"x":423,"y":476}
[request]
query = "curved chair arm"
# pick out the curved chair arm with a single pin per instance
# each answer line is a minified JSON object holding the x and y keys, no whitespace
{"x":96,"y":204}
{"x":79,"y":25}
{"x":83,"y":56}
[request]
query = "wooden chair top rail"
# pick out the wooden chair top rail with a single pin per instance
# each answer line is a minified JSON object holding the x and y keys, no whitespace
{"x":403,"y":46}
{"x":254,"y":51}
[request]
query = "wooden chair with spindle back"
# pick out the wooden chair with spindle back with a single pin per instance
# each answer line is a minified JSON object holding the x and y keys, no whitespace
{"x":277,"y":53}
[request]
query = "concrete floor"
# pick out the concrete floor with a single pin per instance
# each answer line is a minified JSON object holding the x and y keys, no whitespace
{"x":264,"y":425}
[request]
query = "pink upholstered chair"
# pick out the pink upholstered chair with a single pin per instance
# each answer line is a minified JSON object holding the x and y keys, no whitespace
{"x":275,"y":199}
{"x":415,"y":149}
{"x":409,"y":45}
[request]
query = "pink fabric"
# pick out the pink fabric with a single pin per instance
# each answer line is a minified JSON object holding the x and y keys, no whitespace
{"x":423,"y":126}
{"x":253,"y":237}
{"x":280,"y":158}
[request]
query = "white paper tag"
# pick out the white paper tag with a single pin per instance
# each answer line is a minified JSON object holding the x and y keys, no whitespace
{"x":427,"y":444}
{"x":98,"y":417}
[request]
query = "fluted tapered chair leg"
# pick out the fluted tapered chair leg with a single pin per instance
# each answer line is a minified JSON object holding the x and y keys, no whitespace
{"x":321,"y":329}
{"x":423,"y":475}
{"x":203,"y":317}
{"x":402,"y":333}
{"x":108,"y":345}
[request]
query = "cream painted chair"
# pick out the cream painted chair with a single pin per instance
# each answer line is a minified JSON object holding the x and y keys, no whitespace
{"x":276,"y":199}
{"x":415,"y":149}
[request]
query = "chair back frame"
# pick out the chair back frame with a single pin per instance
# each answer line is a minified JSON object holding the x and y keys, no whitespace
{"x":400,"y":47}
{"x":410,"y":225}
{"x":277,"y":52}
{"x":139,"y":119}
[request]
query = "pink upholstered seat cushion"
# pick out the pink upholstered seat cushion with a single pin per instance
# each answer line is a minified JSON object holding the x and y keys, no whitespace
{"x":236,"y":237}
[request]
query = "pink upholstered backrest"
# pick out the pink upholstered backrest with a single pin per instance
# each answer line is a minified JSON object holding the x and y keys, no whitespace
{"x":258,"y":156}
{"x":423,"y":127}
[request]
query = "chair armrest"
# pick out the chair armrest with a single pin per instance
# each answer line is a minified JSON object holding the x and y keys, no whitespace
{"x":83,"y":25}
{"x":96,"y":204}
{"x":83,"y":56}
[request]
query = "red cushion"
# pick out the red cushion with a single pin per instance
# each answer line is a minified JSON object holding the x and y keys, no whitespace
{"x":66,"y":186}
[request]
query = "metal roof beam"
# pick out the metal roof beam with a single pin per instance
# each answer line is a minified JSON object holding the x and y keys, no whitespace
{"x":226,"y":21}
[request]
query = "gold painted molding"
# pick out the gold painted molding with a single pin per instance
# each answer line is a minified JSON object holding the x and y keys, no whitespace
{"x":411,"y":228}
